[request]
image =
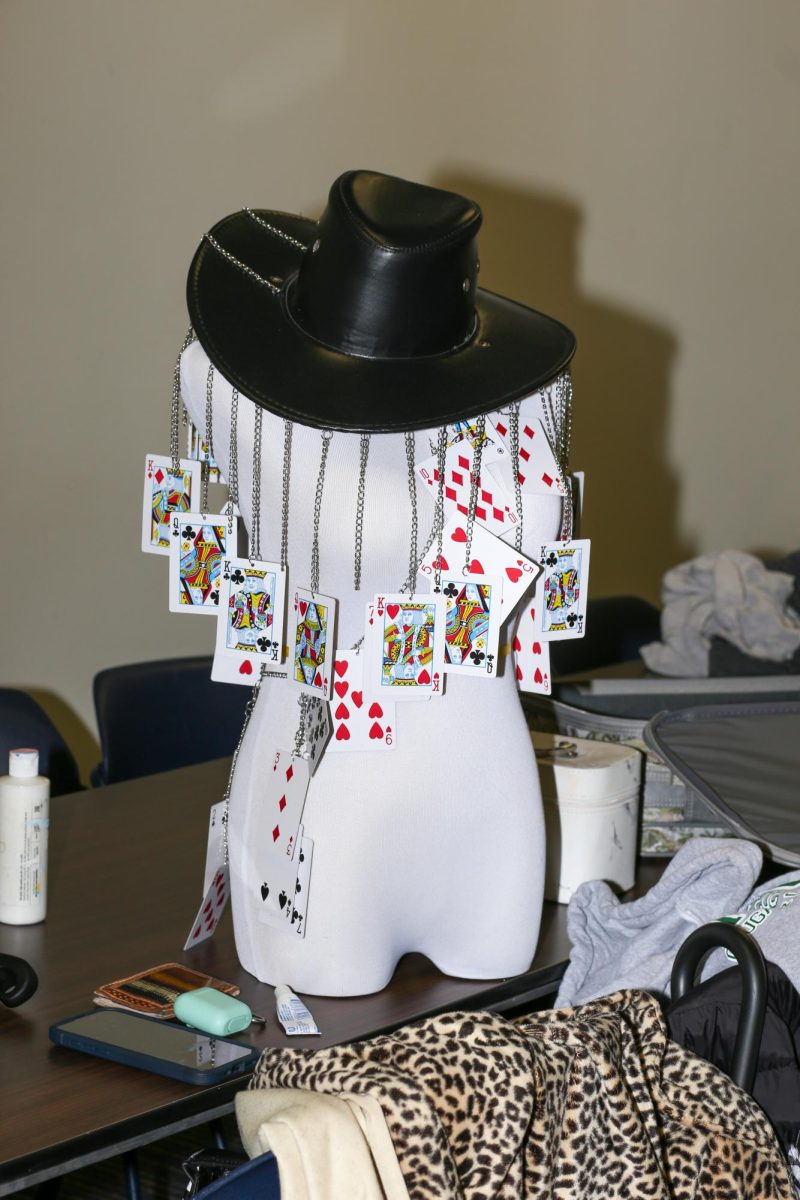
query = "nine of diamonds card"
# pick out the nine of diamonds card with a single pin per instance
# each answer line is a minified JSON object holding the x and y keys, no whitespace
{"x":250,"y":623}
{"x":198,"y":548}
{"x":404,"y":647}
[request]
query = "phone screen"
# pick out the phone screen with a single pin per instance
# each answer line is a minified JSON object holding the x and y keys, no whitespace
{"x":172,"y":1043}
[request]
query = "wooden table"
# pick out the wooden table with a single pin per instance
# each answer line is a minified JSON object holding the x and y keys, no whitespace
{"x":125,"y":878}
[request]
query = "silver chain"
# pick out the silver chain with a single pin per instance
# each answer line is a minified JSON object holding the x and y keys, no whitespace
{"x":175,"y":407}
{"x":438,"y":511}
{"x":233,"y":460}
{"x":362,"y":484}
{"x":474,"y":484}
{"x":237,"y":262}
{"x":255,"y":540}
{"x":303,"y":702}
{"x":412,"y":495}
{"x":287,"y":468}
{"x":286,"y":237}
{"x":327,"y":434}
{"x":513,"y":441}
{"x":208,"y":436}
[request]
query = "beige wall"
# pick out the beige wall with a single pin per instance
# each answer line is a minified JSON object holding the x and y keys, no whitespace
{"x":637,"y":164}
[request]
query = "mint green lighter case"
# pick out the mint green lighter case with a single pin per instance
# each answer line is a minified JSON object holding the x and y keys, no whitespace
{"x":212,"y":1011}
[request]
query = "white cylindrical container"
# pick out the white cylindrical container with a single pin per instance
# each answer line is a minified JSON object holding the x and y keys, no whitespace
{"x":591,"y":794}
{"x":24,"y":826}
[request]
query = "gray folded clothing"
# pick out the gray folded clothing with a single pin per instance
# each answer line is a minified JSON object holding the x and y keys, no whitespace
{"x":633,"y":945}
{"x":772,"y":915}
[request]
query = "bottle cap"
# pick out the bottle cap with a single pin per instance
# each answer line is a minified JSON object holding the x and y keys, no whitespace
{"x":23,"y":763}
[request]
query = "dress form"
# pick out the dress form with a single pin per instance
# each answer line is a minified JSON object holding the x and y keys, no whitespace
{"x":435,"y":847}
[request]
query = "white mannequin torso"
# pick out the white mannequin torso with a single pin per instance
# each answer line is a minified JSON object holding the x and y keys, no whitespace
{"x":436,"y":846}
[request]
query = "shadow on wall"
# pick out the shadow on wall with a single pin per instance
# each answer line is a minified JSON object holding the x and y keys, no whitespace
{"x":529,"y":252}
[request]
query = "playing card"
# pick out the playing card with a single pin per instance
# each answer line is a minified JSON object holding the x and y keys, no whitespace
{"x":404,"y":647}
{"x":466,"y":433}
{"x":211,"y":908}
{"x":538,"y":469}
{"x":563,"y":589}
{"x":488,"y":556}
{"x":165,"y":493}
{"x":197,"y":449}
{"x":250,"y":620}
{"x":494,"y":506}
{"x":531,"y":653}
{"x":312,"y":642}
{"x":360,"y":722}
{"x":215,"y":850}
{"x":317,"y":731}
{"x":301,"y":887}
{"x":199,"y":545}
{"x":472,"y":623}
{"x":281,"y":810}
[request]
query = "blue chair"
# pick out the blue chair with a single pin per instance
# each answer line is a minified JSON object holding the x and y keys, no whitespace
{"x":256,"y":1179}
{"x":23,"y":722}
{"x":157,"y":716}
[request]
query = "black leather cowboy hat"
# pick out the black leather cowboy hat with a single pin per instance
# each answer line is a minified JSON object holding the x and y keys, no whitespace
{"x":370,"y":319}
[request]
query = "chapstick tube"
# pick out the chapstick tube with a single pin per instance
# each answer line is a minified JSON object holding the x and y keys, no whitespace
{"x":293,"y":1015}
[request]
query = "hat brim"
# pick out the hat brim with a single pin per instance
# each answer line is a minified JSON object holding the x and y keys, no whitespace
{"x":249,"y":335}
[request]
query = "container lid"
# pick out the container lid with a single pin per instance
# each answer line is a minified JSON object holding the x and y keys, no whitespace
{"x":580,"y":770}
{"x":23,"y":763}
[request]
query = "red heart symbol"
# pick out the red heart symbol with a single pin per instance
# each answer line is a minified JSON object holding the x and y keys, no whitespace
{"x":475,"y":567}
{"x":517,"y":645}
{"x":317,"y":680}
{"x":342,"y":712}
{"x":246,"y":668}
{"x":459,"y":535}
{"x":533,"y":614}
{"x":340,"y":666}
{"x":537,"y":648}
{"x":357,"y":698}
{"x":341,"y":689}
{"x":519,"y":673}
{"x":392,"y":610}
{"x":343,"y":734}
{"x":424,"y":677}
{"x":537,"y":676}
{"x":303,"y":607}
{"x":375,"y":731}
{"x":376,"y":710}
{"x":440,"y":563}
{"x":513,"y":573}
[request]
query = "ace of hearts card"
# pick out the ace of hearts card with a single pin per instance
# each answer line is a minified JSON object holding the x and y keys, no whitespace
{"x":199,"y":544}
{"x":250,"y":620}
{"x":165,"y":493}
{"x":404,"y":647}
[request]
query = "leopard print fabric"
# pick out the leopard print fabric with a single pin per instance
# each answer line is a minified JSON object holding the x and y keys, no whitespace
{"x":590,"y":1103}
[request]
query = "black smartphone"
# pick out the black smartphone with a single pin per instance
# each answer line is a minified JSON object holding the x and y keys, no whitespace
{"x":154,"y":1045}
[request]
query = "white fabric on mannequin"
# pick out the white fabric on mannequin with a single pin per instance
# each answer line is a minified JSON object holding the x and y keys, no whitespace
{"x":436,"y":846}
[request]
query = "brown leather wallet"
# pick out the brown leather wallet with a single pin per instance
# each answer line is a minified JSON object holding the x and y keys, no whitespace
{"x":154,"y":991}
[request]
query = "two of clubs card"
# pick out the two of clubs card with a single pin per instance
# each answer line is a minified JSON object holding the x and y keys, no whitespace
{"x":282,"y":855}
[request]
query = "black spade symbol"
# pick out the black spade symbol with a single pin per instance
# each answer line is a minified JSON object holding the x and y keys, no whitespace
{"x":264,"y":891}
{"x":298,"y":887}
{"x":282,"y":899}
{"x":302,"y":856}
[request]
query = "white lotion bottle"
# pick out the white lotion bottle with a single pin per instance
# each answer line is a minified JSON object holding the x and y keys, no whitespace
{"x":24,"y":827}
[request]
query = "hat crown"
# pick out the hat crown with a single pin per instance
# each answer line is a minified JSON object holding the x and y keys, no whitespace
{"x":392,"y":272}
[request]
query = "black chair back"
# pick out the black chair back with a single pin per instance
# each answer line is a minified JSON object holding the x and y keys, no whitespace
{"x":23,"y":722}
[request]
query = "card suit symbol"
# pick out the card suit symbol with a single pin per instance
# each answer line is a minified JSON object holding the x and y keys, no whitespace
{"x":340,"y":666}
{"x":440,"y":563}
{"x":289,"y":773}
{"x":517,"y":644}
{"x":214,"y":597}
{"x":477,"y":657}
{"x":475,"y":567}
{"x":342,"y":712}
{"x":264,"y":891}
{"x":263,"y":644}
{"x":303,"y":607}
{"x":281,"y":804}
{"x":343,"y":734}
{"x":207,"y":908}
{"x":246,"y":667}
{"x":451,"y":590}
{"x":302,"y":857}
{"x":341,"y":689}
{"x":282,"y":899}
{"x":537,"y":647}
{"x":318,"y":679}
{"x":188,"y":532}
{"x":537,"y":676}
{"x":392,"y":610}
{"x":514,"y":574}
{"x":423,"y":678}
{"x":298,"y":887}
{"x":276,"y":833}
{"x":571,"y":620}
{"x":533,"y":614}
{"x":551,"y":559}
{"x":501,"y":429}
{"x":547,"y":480}
{"x":528,"y":431}
{"x":197,"y":932}
{"x":159,"y":475}
{"x":519,"y":672}
{"x":458,"y":535}
{"x":357,"y":698}
{"x":375,"y":731}
{"x":375,"y":710}
{"x":237,"y":576}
